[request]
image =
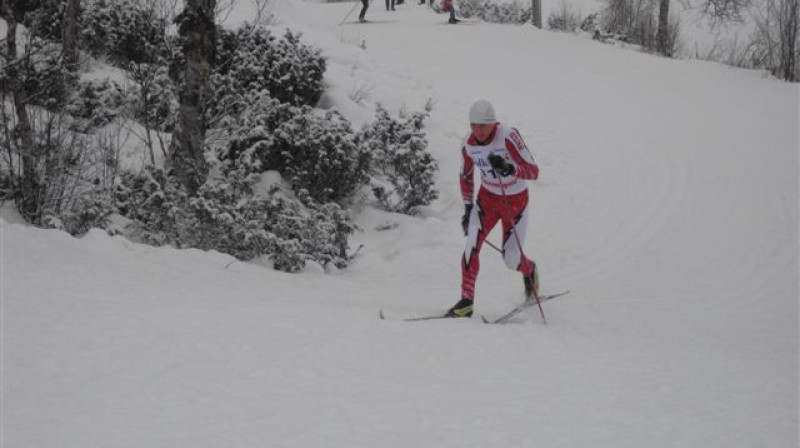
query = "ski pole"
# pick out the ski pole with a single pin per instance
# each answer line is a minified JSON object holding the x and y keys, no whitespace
{"x":516,"y":237}
{"x":350,"y":12}
{"x":493,"y":246}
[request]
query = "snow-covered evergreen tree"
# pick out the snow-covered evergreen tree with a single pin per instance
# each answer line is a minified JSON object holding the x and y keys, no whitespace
{"x":317,"y":153}
{"x":40,"y":73}
{"x":404,"y":170}
{"x":251,"y":59}
{"x":510,"y":12}
{"x":229,"y":216}
{"x":96,"y":102}
{"x":155,"y":204}
{"x":123,"y":31}
{"x":321,"y":155}
{"x":153,"y":98}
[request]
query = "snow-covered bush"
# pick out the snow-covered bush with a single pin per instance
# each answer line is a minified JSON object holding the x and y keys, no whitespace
{"x":403,"y":173}
{"x":89,"y":211}
{"x":320,"y":154}
{"x":155,"y":204}
{"x":512,"y":12}
{"x":291,"y":230}
{"x":227,"y":215}
{"x":42,"y":77}
{"x":251,"y":59}
{"x":123,"y":30}
{"x":316,"y":153}
{"x":153,"y":98}
{"x":43,"y":17}
{"x":66,"y":182}
{"x":564,"y":18}
{"x":97,"y":102}
{"x":636,"y":21}
{"x":303,"y":230}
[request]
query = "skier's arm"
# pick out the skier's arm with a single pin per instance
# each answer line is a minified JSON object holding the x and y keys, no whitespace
{"x":466,"y":177}
{"x":526,"y":167}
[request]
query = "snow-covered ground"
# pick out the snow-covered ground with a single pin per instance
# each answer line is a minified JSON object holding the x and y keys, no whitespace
{"x":667,"y":204}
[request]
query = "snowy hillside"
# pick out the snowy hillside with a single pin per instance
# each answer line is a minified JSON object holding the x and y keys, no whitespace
{"x":667,"y":205}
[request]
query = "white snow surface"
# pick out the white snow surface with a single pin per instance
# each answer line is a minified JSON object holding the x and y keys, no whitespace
{"x":667,"y":205}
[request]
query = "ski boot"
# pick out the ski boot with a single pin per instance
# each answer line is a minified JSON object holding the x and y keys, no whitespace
{"x":461,"y":309}
{"x":531,"y":284}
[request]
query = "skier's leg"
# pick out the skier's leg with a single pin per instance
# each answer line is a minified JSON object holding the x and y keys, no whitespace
{"x":516,"y":223}
{"x":481,"y":222}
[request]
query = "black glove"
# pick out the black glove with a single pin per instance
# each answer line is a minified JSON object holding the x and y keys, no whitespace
{"x":465,"y":218}
{"x":500,"y":166}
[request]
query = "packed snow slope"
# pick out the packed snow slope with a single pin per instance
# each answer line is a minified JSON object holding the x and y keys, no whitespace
{"x":667,"y":205}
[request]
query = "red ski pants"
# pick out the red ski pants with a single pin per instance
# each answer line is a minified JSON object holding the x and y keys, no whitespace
{"x":490,"y":208}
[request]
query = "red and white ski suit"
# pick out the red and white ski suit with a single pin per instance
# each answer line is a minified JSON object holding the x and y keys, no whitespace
{"x":491,"y":206}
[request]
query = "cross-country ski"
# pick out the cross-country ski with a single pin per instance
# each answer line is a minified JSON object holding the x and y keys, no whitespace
{"x":503,"y":319}
{"x":520,"y":308}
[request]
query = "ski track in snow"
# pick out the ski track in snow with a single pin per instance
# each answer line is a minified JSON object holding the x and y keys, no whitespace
{"x":667,"y":205}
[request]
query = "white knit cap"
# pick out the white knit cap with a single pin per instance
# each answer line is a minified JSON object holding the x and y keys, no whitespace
{"x":482,"y":112}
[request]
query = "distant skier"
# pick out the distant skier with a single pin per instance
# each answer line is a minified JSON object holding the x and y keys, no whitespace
{"x":504,"y":163}
{"x":361,"y":17}
{"x":447,"y":6}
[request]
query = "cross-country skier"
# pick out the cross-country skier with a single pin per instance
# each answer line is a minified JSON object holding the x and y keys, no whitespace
{"x":504,"y":163}
{"x":447,"y":6}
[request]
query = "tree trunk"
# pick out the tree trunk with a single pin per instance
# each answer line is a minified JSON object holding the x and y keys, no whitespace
{"x":29,"y":183}
{"x":69,"y":36}
{"x":199,"y":33}
{"x":662,"y":36}
{"x":788,"y":35}
{"x":536,"y":13}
